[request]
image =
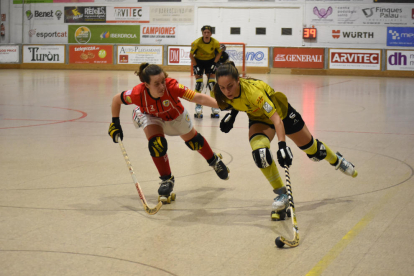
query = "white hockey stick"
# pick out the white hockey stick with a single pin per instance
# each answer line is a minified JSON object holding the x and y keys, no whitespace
{"x":151,"y":211}
{"x":281,"y":241}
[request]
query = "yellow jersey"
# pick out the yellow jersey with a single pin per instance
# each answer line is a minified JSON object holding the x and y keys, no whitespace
{"x":259,"y":101}
{"x":205,"y":51}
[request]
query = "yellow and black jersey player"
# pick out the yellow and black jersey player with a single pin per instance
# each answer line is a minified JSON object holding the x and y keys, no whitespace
{"x":205,"y":53}
{"x":270,"y":114}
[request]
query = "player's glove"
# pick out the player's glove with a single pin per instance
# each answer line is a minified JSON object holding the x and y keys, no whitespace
{"x":115,"y":129}
{"x":227,"y":122}
{"x":284,"y":154}
{"x":138,"y":118}
{"x":197,"y":70}
{"x":213,"y":68}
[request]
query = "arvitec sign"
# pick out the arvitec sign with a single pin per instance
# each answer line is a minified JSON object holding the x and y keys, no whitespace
{"x":125,"y":34}
{"x":363,"y":59}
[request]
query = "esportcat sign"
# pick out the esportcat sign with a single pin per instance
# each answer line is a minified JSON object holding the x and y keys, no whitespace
{"x":106,"y":34}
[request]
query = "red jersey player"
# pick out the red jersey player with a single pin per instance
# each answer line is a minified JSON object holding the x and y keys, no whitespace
{"x":159,"y":112}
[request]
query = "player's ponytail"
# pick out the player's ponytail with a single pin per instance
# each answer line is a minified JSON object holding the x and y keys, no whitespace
{"x":226,"y":69}
{"x":147,"y":70}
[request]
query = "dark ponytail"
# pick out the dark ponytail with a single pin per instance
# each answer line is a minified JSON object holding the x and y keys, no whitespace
{"x":147,"y":70}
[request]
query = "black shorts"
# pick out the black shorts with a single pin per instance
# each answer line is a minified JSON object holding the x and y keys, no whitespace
{"x":205,"y":66}
{"x":292,"y":123}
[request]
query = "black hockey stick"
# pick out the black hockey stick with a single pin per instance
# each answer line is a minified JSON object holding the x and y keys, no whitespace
{"x":151,"y":211}
{"x":281,"y":241}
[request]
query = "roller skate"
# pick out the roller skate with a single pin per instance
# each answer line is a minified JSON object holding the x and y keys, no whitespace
{"x":215,"y":112}
{"x":221,"y":170}
{"x":165,"y":190}
{"x":280,"y":205}
{"x":198,"y":111}
{"x":345,"y":166}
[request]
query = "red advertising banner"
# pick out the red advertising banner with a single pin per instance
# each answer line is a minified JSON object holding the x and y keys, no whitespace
{"x":91,"y":54}
{"x":298,"y":58}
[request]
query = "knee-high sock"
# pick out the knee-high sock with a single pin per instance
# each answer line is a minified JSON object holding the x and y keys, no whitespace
{"x":311,"y":148}
{"x":271,"y":172}
{"x":163,"y":165}
{"x":199,"y":85}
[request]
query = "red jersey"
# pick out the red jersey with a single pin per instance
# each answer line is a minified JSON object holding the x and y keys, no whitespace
{"x":168,"y":107}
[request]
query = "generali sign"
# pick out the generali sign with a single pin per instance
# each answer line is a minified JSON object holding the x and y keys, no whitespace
{"x":298,"y":58}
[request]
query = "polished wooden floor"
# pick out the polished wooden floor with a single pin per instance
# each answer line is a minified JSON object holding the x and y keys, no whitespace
{"x":68,"y":205}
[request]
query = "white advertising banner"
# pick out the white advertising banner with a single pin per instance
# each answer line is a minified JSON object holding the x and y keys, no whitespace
{"x":138,"y":54}
{"x":171,"y":14}
{"x":400,"y":60}
{"x":355,"y":59}
{"x":179,"y":55}
{"x":47,"y":34}
{"x":43,"y":14}
{"x":352,"y":34}
{"x":43,"y":54}
{"x":159,"y":34}
{"x":9,"y":54}
{"x":254,"y":56}
{"x":133,"y":14}
{"x":368,"y":15}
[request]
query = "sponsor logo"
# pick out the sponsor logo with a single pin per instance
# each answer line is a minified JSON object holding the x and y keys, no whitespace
{"x":128,"y":99}
{"x":83,"y":34}
{"x":58,"y":14}
{"x":45,"y":35}
{"x":129,"y":93}
{"x":43,"y":15}
{"x":383,"y":12}
{"x":123,"y":58}
{"x":152,"y":108}
{"x":299,"y":58}
{"x":174,"y":55}
{"x":102,"y":53}
{"x":42,"y":57}
{"x":181,"y":86}
{"x":128,"y":12}
{"x":109,"y":35}
{"x":280,"y":57}
{"x":29,"y":14}
{"x":397,"y":58}
{"x":166,"y":103}
{"x":337,"y":34}
{"x":366,"y":58}
{"x":159,"y":30}
{"x":267,"y":107}
{"x":322,"y":13}
{"x":292,"y":115}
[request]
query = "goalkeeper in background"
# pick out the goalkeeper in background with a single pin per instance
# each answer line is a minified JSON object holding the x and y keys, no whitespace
{"x":205,"y":53}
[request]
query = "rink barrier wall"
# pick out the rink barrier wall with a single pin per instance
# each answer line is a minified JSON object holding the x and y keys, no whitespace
{"x":163,"y":61}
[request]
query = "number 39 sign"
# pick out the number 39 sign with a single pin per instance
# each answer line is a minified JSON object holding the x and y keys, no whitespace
{"x":309,"y":33}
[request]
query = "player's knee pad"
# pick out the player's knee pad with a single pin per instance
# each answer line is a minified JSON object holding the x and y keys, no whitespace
{"x":196,"y":143}
{"x":211,"y":84}
{"x":157,"y":146}
{"x":262,"y":157}
{"x":320,"y":153}
{"x":199,"y":85}
{"x":260,"y":145}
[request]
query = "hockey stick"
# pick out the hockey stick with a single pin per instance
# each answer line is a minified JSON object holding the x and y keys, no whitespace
{"x":151,"y":211}
{"x":281,"y":241}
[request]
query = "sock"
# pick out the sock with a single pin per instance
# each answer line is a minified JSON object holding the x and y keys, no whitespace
{"x":199,"y":85}
{"x":163,"y":165}
{"x":271,"y":173}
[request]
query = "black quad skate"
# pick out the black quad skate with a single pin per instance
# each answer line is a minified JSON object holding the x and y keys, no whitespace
{"x":221,"y":170}
{"x":165,"y":190}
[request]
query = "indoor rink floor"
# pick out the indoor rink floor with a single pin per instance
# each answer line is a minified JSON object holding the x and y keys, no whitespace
{"x":68,"y":205}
